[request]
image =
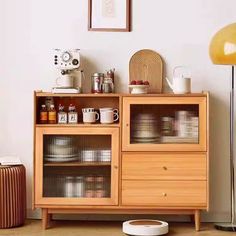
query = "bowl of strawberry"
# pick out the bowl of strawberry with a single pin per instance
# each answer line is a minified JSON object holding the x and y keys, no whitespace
{"x":139,"y":86}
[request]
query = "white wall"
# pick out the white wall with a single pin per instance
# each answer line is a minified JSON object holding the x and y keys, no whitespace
{"x":179,"y":30}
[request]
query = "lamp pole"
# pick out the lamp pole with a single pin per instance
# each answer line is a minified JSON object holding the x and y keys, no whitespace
{"x":232,"y":225}
{"x":232,"y":149}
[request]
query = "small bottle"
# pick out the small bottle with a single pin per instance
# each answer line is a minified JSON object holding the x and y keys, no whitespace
{"x":48,"y":102}
{"x":111,"y":74}
{"x":62,"y":115}
{"x":43,"y":115}
{"x":52,"y":115}
{"x":72,"y":115}
{"x":107,"y":86}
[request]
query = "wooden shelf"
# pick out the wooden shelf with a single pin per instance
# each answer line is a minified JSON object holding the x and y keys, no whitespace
{"x":82,"y":164}
{"x":117,"y":95}
{"x":48,"y":94}
{"x":78,"y":125}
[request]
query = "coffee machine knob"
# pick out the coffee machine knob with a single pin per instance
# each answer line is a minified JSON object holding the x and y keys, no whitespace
{"x":75,"y":62}
{"x":66,"y":56}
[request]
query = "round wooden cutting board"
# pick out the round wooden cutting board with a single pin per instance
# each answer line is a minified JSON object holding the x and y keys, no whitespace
{"x":147,"y":65}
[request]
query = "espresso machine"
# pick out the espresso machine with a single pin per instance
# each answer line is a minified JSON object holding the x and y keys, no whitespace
{"x":71,"y":75}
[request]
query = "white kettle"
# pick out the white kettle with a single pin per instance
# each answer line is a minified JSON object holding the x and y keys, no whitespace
{"x":181,"y":83}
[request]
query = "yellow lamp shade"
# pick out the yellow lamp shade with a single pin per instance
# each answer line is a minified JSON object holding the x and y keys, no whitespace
{"x":223,"y":46}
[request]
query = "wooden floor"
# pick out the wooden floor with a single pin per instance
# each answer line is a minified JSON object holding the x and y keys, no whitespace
{"x":84,"y":228}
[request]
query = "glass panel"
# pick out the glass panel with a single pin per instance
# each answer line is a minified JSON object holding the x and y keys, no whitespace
{"x":77,"y":166}
{"x":164,"y":123}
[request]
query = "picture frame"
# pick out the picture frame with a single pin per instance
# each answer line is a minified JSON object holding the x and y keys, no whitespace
{"x":109,"y":15}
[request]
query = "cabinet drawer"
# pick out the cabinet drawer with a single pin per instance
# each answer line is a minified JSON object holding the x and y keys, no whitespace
{"x":164,"y":193}
{"x":164,"y":166}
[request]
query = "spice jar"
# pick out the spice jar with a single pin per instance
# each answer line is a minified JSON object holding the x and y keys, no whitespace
{"x":62,"y":115}
{"x":72,"y":115}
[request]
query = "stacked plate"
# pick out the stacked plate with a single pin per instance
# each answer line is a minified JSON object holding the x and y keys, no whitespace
{"x":60,"y":149}
{"x":144,"y":129}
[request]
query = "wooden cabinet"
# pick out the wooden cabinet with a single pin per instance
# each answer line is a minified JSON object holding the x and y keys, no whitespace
{"x":158,"y":150}
{"x":70,"y":183}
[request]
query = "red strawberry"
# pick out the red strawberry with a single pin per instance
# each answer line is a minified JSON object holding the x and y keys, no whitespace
{"x":139,"y":82}
{"x":133,"y":82}
{"x":146,"y":82}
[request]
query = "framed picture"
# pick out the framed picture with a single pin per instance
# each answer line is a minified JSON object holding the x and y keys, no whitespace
{"x":109,"y":15}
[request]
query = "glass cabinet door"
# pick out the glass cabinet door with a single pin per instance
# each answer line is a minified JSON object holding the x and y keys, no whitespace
{"x":164,"y":124}
{"x":77,"y":166}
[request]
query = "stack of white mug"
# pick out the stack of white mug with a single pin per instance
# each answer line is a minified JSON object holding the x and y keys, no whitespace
{"x":107,"y":115}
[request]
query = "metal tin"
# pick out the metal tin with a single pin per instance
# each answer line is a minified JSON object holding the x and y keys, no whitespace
{"x":96,"y":82}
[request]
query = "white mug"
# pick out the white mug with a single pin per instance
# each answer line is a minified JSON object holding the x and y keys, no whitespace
{"x":64,"y":81}
{"x":90,"y":117}
{"x":108,"y":115}
{"x":88,"y":110}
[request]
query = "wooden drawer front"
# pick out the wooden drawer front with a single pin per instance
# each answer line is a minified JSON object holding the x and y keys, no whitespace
{"x":164,"y":193}
{"x":164,"y":166}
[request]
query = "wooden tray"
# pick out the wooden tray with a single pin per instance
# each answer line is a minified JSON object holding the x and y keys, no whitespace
{"x":147,"y":65}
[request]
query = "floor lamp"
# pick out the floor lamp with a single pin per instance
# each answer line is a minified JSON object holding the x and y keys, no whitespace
{"x":223,"y":52}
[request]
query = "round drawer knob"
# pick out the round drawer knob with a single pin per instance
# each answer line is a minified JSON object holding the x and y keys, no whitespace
{"x":164,"y":168}
{"x":164,"y":194}
{"x":116,"y":167}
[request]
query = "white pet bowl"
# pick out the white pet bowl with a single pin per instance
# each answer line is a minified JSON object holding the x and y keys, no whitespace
{"x":145,"y":227}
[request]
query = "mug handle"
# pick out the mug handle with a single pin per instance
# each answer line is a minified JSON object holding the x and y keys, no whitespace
{"x":115,"y":110}
{"x":97,"y":116}
{"x":117,"y":116}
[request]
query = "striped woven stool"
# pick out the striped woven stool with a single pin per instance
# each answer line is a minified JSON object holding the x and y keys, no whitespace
{"x":12,"y":196}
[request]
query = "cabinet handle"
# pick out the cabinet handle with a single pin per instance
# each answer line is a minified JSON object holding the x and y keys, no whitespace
{"x":127,"y":125}
{"x":164,"y":168}
{"x":164,"y":194}
{"x":116,"y":167}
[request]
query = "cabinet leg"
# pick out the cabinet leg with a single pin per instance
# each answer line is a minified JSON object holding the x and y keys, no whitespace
{"x":49,"y":220}
{"x":45,"y":218}
{"x":197,"y":220}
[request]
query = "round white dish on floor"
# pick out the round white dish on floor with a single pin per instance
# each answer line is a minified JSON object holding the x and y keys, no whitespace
{"x":145,"y":227}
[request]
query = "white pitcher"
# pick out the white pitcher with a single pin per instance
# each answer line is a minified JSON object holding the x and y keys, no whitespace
{"x":181,"y":83}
